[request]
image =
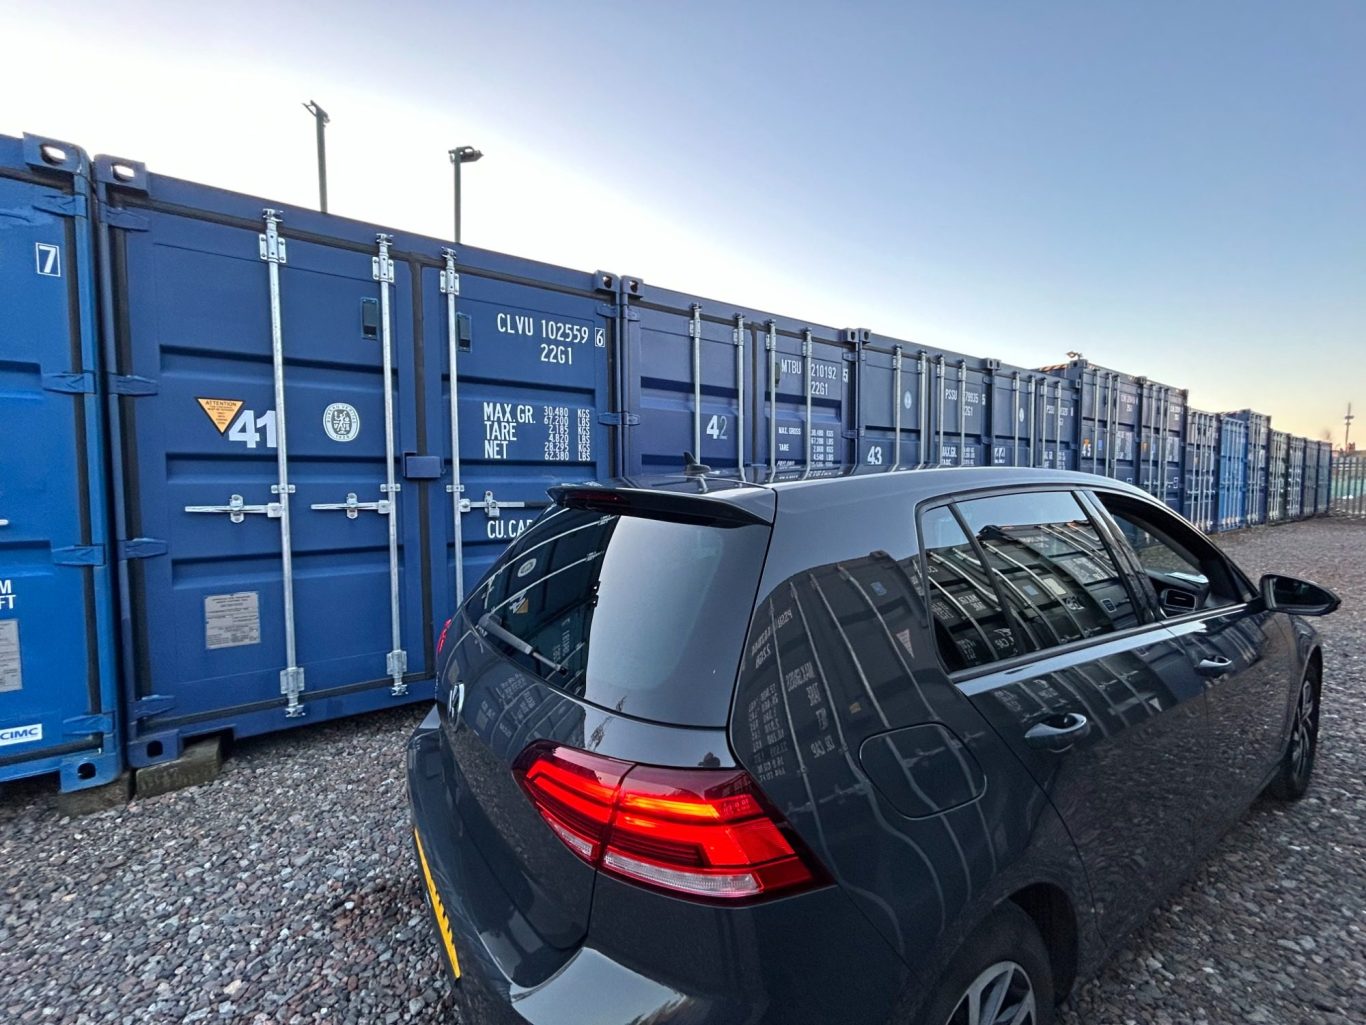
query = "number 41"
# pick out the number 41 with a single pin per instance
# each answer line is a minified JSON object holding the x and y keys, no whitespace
{"x":244,"y":428}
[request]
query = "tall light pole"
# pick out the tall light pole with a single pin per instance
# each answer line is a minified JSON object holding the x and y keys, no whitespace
{"x":461,"y":155}
{"x":320,"y":116}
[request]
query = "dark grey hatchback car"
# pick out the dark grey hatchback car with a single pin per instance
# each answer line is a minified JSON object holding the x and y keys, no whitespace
{"x":910,"y":747}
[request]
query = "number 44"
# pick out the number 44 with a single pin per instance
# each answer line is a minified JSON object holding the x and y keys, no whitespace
{"x":244,"y":428}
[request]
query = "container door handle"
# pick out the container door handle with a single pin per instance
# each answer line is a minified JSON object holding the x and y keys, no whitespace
{"x":353,"y":506}
{"x":237,"y":509}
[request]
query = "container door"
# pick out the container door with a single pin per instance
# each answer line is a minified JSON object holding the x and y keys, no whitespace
{"x":1016,"y":415}
{"x":1201,"y":470}
{"x":960,"y":430}
{"x":1058,"y":424}
{"x":1164,"y":417}
{"x":57,"y":701}
{"x":532,"y":378}
{"x":1109,"y":411}
{"x":1033,"y":419}
{"x":732,"y":386}
{"x":693,"y":380}
{"x":265,"y":455}
{"x":893,"y":419}
{"x":806,"y":396}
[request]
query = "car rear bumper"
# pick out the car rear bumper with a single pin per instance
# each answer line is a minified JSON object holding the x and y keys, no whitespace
{"x":655,"y":958}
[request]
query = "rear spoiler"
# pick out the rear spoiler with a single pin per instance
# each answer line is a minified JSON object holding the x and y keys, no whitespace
{"x":754,"y":506}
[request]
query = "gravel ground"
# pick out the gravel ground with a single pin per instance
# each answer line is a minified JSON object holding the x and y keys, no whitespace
{"x":285,"y":891}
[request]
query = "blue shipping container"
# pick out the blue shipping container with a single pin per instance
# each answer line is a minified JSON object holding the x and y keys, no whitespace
{"x":1294,"y":479}
{"x":58,"y":696}
{"x":1278,"y":476}
{"x":1323,"y":496}
{"x":733,"y":386}
{"x":736,"y":386}
{"x":1108,"y":421}
{"x":1202,"y":469}
{"x":280,"y":570}
{"x":1232,"y":482}
{"x":1258,"y":462}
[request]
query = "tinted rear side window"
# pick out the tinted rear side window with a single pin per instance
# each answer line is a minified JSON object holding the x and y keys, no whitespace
{"x":642,"y":616}
{"x":1050,"y":566}
{"x":970,"y":627}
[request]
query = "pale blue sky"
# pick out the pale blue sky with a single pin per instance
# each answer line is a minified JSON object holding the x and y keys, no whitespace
{"x":1174,"y":189}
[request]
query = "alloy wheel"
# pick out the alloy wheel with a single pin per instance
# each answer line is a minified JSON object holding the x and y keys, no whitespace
{"x":1304,"y":731}
{"x":1001,"y":995}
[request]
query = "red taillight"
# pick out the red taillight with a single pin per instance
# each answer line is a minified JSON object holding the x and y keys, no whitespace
{"x":441,"y":638}
{"x":703,"y":832}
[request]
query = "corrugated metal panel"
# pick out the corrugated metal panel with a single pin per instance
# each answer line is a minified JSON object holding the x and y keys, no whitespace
{"x":58,"y":695}
{"x":309,"y":560}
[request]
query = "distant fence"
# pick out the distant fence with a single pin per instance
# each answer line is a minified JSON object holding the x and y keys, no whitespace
{"x":1348,"y":497}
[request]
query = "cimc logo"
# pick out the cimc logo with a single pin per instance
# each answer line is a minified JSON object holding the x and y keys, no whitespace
{"x":21,"y":734}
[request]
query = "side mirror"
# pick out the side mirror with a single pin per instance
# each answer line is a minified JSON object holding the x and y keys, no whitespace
{"x":1297,"y":597}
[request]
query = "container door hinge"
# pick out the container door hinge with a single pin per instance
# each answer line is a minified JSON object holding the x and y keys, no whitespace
{"x":124,"y":220}
{"x":79,"y":555}
{"x":142,"y":548}
{"x":61,"y":204}
{"x":619,"y":419}
{"x":291,"y":686}
{"x":70,"y":384}
{"x":132,"y":385}
{"x":80,"y":725}
{"x":273,"y":248}
{"x":152,"y":704}
{"x":396,"y":665}
{"x":382,"y":267}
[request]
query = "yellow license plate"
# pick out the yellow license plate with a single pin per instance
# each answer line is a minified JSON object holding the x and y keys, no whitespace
{"x":443,"y":923}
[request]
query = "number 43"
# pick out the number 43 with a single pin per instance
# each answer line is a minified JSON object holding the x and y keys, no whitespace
{"x":244,"y":428}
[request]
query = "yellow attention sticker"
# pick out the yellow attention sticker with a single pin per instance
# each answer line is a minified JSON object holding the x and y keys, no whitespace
{"x":220,"y":411}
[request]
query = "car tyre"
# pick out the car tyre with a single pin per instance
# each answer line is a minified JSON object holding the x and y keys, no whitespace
{"x":1002,"y":969}
{"x":1297,"y":764}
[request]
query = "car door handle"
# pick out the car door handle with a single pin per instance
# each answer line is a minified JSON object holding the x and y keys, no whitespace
{"x":1216,"y":666}
{"x":1058,"y":732}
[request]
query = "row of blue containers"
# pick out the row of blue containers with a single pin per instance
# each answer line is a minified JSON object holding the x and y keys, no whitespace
{"x":223,"y":520}
{"x":1241,"y":473}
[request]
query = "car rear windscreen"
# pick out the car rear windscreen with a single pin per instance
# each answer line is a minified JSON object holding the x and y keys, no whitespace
{"x":642,"y":616}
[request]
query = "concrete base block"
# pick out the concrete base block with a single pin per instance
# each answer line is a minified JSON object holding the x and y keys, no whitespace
{"x":198,"y":763}
{"x":89,"y":800}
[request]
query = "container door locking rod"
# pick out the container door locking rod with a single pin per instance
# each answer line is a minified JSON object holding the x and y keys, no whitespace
{"x":450,"y":288}
{"x":382,"y":270}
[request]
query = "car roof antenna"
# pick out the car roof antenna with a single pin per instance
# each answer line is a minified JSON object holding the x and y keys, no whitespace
{"x":692,"y":468}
